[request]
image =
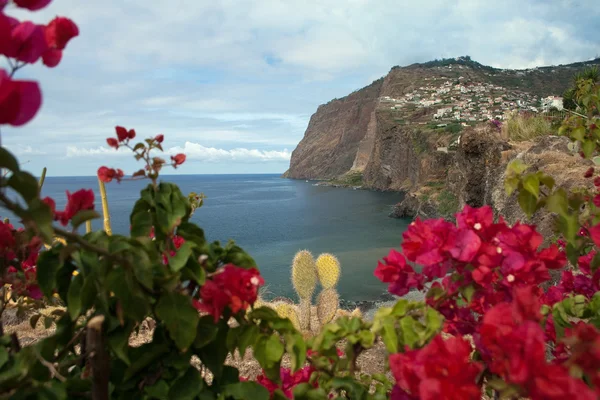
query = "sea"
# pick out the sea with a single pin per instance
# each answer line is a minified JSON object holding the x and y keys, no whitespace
{"x":272,"y":218}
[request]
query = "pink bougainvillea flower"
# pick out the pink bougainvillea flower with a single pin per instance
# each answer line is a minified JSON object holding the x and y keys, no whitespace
{"x":159,"y":138}
{"x":32,"y":5}
{"x":7,"y":240}
{"x":424,"y":241}
{"x":121,"y":133}
{"x":112,"y":142}
{"x":178,"y":159}
{"x":440,"y":370}
{"x":60,"y":31}
{"x":478,"y":219}
{"x":106,"y":174}
{"x":553,"y":257}
{"x":80,"y":200}
{"x":401,"y":276}
{"x":51,"y":57}
{"x":464,"y":245}
{"x":27,"y":42}
{"x":231,"y":286}
{"x":19,"y":100}
{"x":289,"y":380}
{"x":589,"y":173}
{"x":595,"y":234}
{"x":553,"y":382}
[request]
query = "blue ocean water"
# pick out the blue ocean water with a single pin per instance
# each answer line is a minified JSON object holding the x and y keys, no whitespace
{"x":272,"y":218}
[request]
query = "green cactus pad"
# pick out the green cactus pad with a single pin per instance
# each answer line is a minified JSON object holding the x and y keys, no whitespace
{"x":327,"y":305}
{"x":304,"y":314}
{"x":304,"y":274}
{"x":328,"y":269}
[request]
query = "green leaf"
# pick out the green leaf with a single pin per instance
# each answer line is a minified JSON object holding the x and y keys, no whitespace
{"x":25,"y":184}
{"x":409,"y":331}
{"x":74,"y":296}
{"x":42,"y":215}
{"x":181,"y":256}
{"x":188,"y":386}
{"x":8,"y":161}
{"x":83,"y":216}
{"x":296,"y":348}
{"x":578,"y":133}
{"x":141,"y":219}
{"x":468,"y":292}
{"x":3,"y":356}
{"x":516,"y":167}
{"x":434,"y":321}
{"x":180,"y":318}
{"x":268,"y":352}
{"x":531,"y":183}
{"x":511,"y":184}
{"x":557,"y":202}
{"x":191,"y":233}
{"x":389,"y":335}
{"x":528,"y":202}
{"x":367,"y":339}
{"x":160,"y":390}
{"x":546,"y":180}
{"x":48,"y":264}
{"x":48,"y":321}
{"x":206,"y":331}
{"x":171,"y":207}
{"x":118,"y":342}
{"x":129,"y":293}
{"x":246,"y":391}
{"x":247,"y":338}
{"x":588,"y":148}
{"x":143,"y":356}
{"x":214,"y":356}
{"x":264,"y":314}
{"x":34,"y":320}
{"x":569,"y":226}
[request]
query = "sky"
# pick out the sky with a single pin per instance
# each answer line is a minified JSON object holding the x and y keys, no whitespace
{"x":233,"y":83}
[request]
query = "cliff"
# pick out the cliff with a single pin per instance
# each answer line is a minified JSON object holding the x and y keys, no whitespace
{"x":401,"y":130}
{"x":337,"y":136}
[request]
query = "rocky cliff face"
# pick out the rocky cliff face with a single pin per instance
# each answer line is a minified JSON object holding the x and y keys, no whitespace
{"x":335,"y":134}
{"x":389,"y":130}
{"x":476,"y":176}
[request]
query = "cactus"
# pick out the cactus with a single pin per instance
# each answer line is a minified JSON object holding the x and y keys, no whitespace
{"x":105,"y":211}
{"x":356,"y":313}
{"x":327,"y":305}
{"x":328,"y":269}
{"x":304,"y":279}
{"x":305,"y":273}
{"x":288,"y":311}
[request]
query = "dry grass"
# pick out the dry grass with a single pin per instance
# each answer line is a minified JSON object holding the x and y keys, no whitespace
{"x":522,"y":127}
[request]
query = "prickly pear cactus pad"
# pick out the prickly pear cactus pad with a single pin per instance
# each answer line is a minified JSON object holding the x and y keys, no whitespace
{"x":328,"y":269}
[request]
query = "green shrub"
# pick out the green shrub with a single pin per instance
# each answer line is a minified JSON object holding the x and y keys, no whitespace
{"x":447,"y":203}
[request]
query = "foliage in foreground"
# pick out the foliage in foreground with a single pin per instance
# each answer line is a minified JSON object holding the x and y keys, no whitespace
{"x":486,"y":293}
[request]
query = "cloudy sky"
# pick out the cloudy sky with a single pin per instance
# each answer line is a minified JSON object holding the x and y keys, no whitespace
{"x":233,"y":83}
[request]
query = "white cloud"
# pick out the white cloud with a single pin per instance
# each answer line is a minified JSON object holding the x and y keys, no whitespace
{"x":21,"y":150}
{"x":74,"y":151}
{"x":195,"y":151}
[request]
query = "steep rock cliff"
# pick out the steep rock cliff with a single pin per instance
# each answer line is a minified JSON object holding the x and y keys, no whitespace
{"x":330,"y":146}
